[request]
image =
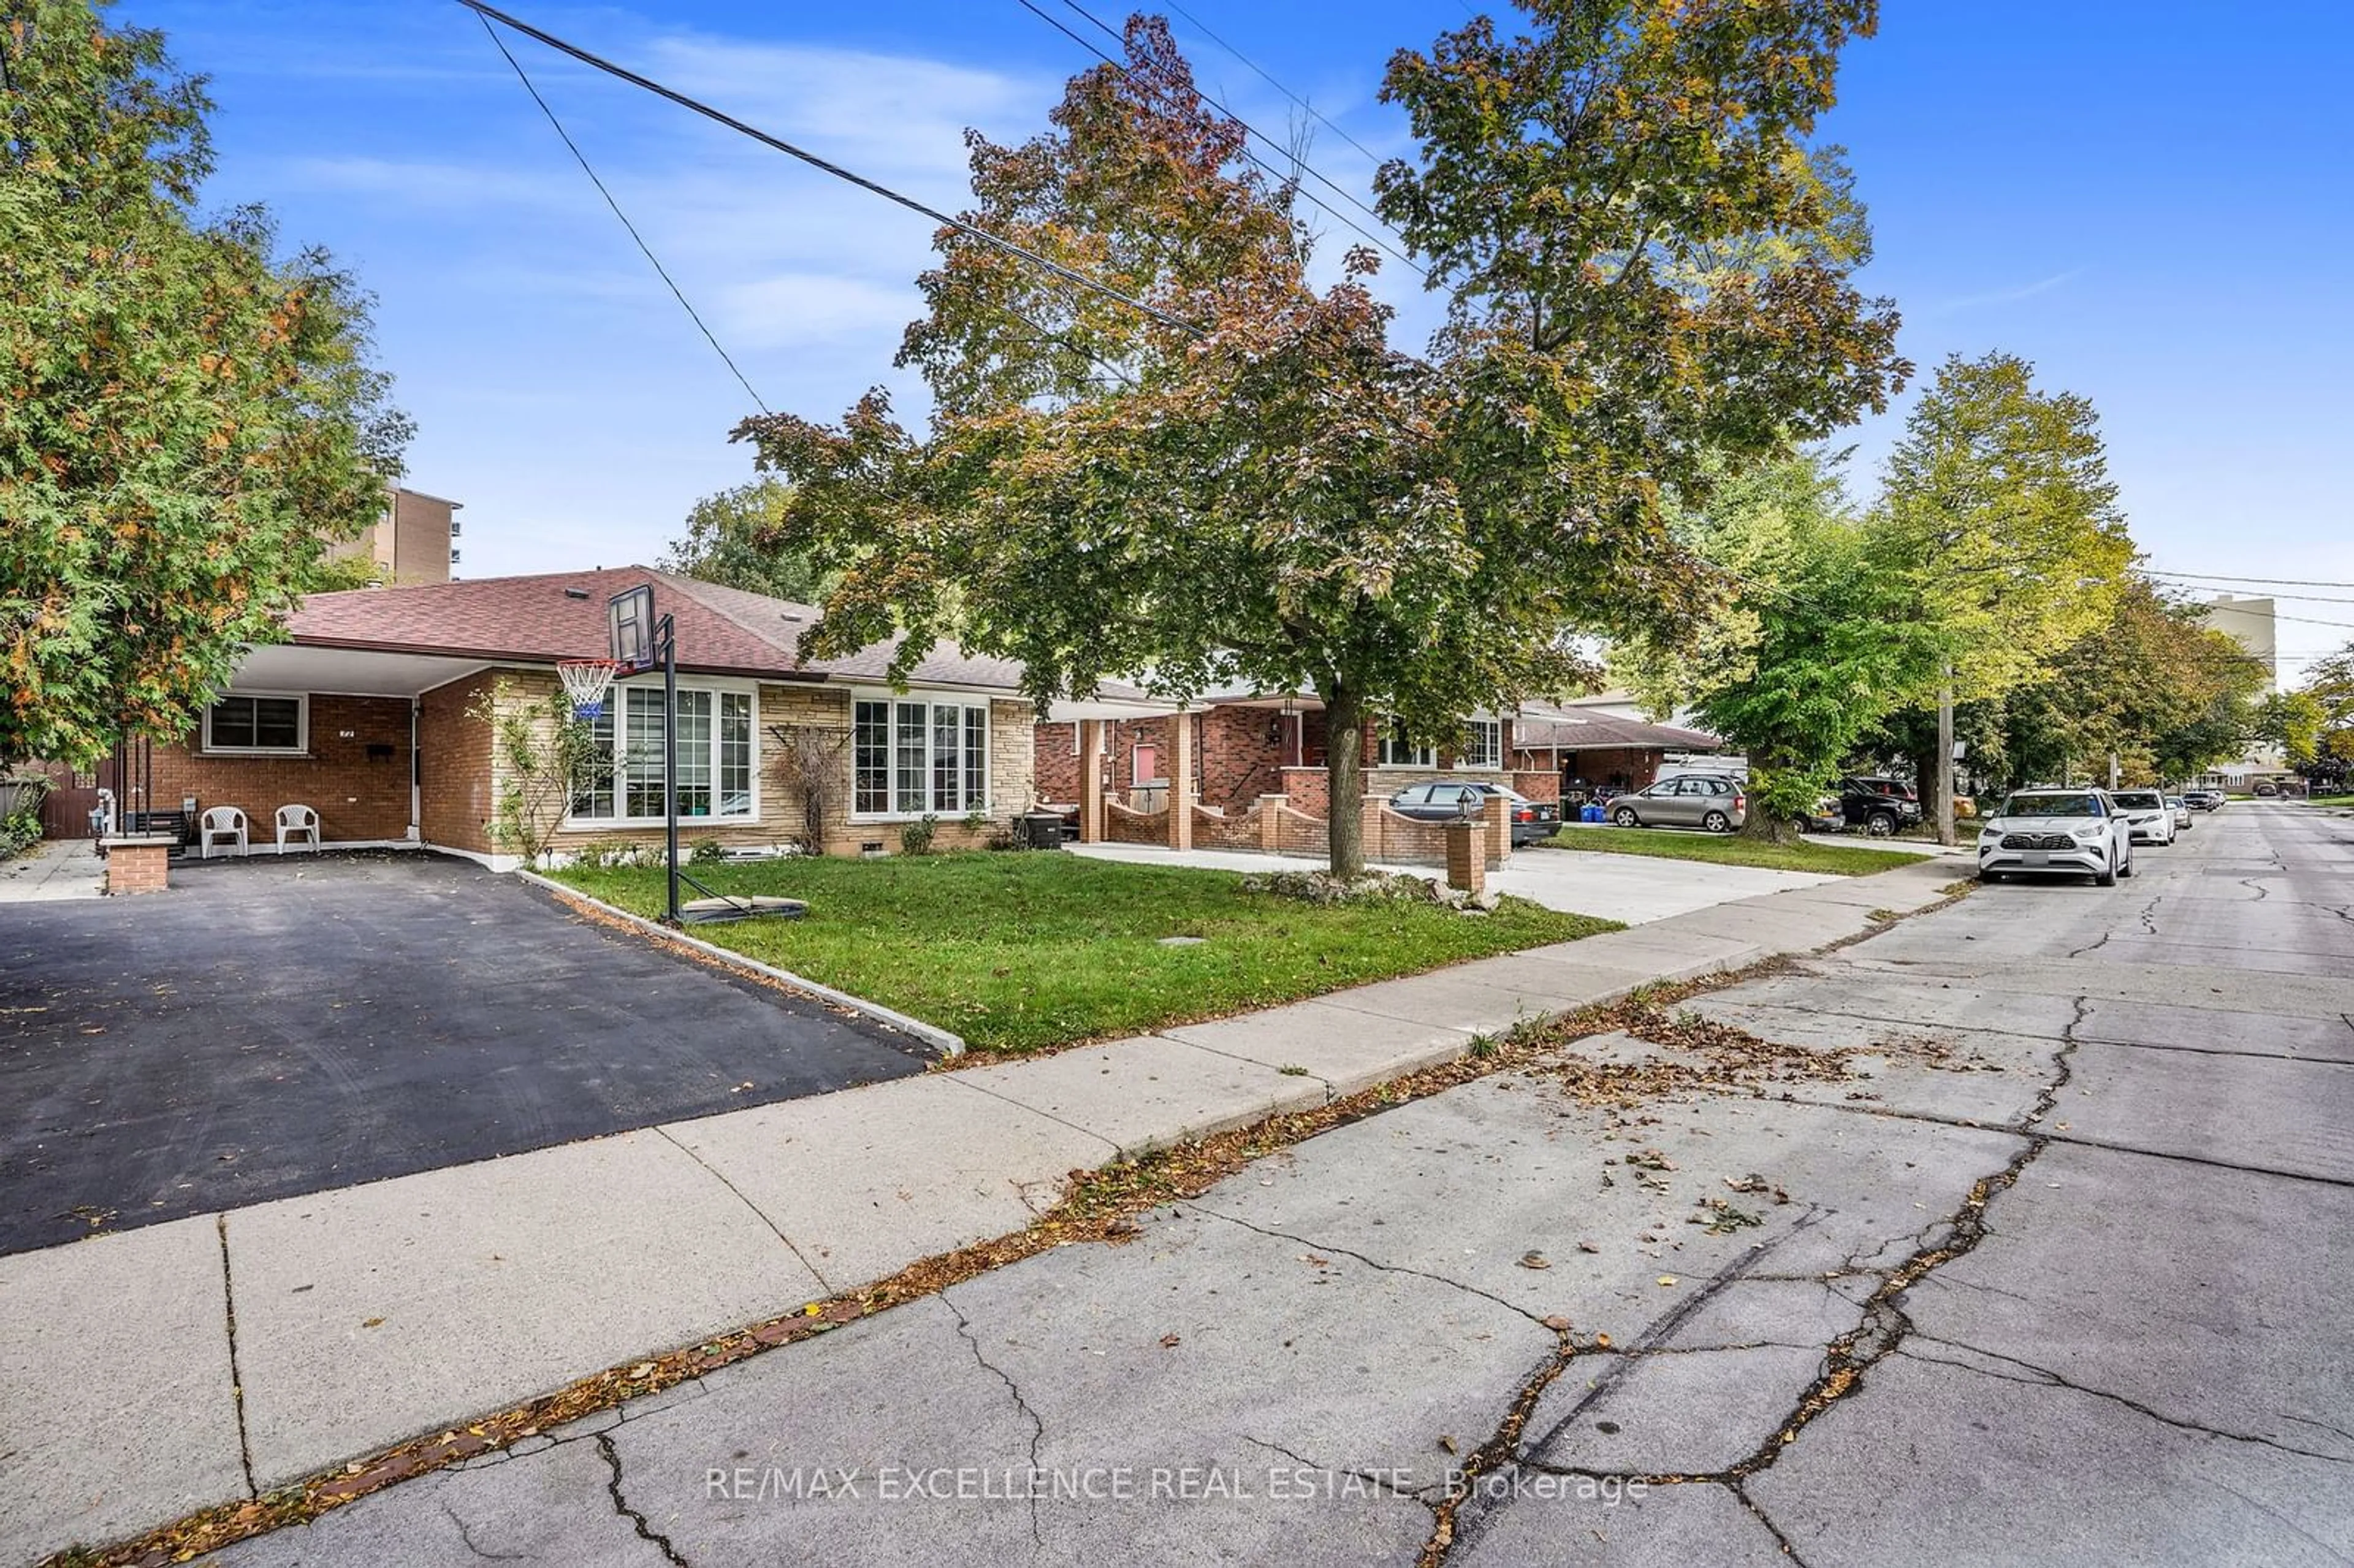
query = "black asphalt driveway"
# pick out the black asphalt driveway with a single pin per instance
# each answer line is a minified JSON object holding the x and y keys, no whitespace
{"x":268,"y":1028}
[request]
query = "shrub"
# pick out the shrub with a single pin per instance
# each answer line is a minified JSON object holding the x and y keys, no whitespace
{"x":705,"y":852}
{"x":917,"y":837}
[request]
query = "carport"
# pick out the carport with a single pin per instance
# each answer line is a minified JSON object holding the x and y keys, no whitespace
{"x":272,"y":1028}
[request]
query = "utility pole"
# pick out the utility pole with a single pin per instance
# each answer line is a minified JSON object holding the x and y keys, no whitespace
{"x":1946,"y":757}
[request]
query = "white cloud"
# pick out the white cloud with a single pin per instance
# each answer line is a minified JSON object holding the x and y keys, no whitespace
{"x":2001,"y":296}
{"x":790,"y":308}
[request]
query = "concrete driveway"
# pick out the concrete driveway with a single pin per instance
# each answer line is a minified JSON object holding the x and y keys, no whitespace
{"x":270,"y":1028}
{"x":1630,"y":887}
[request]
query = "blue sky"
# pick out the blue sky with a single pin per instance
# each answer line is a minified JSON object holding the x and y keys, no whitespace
{"x":2157,"y":208}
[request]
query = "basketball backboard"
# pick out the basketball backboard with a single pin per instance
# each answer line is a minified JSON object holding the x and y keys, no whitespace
{"x":630,"y":622}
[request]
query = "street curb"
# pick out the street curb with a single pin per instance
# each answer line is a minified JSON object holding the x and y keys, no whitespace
{"x":931,"y":1034}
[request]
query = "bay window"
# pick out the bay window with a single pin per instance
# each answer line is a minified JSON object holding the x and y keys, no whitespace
{"x":715,"y":758}
{"x":1483,"y":744}
{"x":918,"y":757}
{"x":1397,"y":751}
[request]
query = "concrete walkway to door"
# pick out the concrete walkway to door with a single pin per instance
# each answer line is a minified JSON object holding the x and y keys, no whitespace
{"x":53,"y":869}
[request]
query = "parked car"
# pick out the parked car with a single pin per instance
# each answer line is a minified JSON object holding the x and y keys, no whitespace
{"x":1446,"y":800}
{"x":2203,"y":800}
{"x":1711,"y":802}
{"x":2056,"y":832}
{"x":2268,"y":789}
{"x":2146,"y":816}
{"x":1881,"y":807}
{"x":2181,"y":810}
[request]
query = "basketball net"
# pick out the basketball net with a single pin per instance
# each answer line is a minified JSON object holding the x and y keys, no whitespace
{"x":585,"y":682}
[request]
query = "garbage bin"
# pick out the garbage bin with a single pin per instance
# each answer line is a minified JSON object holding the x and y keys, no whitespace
{"x":1041,"y":830}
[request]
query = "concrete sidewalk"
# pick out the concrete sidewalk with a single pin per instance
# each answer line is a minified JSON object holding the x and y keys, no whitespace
{"x":147,"y":1375}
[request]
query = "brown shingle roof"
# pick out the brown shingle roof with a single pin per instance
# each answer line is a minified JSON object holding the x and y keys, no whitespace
{"x":561,"y":615}
{"x":1581,"y":730}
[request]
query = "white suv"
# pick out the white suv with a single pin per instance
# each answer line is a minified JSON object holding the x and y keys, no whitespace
{"x":2062,"y":833}
{"x":2147,"y":816}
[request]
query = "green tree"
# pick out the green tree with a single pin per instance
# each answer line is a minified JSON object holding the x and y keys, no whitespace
{"x":1247,"y":480}
{"x":185,"y":418}
{"x":1810,"y":648}
{"x":1998,"y":515}
{"x":732,"y":539}
{"x":2294,"y":721}
{"x":2164,"y":695}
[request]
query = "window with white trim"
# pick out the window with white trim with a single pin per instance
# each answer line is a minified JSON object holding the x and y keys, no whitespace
{"x":715,"y":758}
{"x":1396,"y":751}
{"x":915,"y":758}
{"x":1483,"y":744}
{"x":246,"y":722}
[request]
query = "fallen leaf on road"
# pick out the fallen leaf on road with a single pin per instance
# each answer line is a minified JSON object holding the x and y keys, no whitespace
{"x":1558,"y":1324}
{"x":643,"y":1369}
{"x":372,"y":1323}
{"x":1169,"y":1342}
{"x":1667,"y":1279}
{"x":1535,"y":1260}
{"x":1587,"y":1246}
{"x":1448,"y":1444}
{"x":1601,"y":1341}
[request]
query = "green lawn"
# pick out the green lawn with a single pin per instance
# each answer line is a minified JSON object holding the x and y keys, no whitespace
{"x":1731,"y":849}
{"x":1016,"y":951}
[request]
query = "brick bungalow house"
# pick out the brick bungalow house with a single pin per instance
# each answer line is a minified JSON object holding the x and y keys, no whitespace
{"x":370,"y":714}
{"x":1585,"y":747}
{"x":1248,"y":744}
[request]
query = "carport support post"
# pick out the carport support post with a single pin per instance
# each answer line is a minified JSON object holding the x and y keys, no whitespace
{"x":1091,"y":785}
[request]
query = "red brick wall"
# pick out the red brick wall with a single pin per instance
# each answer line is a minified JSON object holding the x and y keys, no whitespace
{"x":358,"y":800}
{"x":453,"y":755}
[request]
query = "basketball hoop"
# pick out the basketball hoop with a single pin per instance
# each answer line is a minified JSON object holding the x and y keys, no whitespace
{"x":585,"y":682}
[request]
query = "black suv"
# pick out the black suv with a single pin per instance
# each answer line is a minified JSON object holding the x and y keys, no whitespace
{"x":1881,"y":807}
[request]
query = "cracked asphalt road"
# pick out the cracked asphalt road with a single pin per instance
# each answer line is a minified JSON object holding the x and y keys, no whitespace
{"x":2053,"y":1272}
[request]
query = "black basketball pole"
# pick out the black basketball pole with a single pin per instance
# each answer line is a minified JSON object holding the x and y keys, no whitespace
{"x":670,"y":760}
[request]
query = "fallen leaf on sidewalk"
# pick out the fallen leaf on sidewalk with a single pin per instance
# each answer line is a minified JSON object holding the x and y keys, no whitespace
{"x":1169,"y":1342}
{"x":1587,"y":1246}
{"x":1535,"y":1260}
{"x":1667,"y":1279}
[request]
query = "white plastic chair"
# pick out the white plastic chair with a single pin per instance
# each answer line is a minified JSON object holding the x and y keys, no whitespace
{"x":221,"y":824}
{"x":297,"y":822}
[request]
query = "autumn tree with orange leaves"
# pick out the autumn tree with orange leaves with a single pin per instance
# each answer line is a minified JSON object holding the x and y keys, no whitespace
{"x":1247,"y":480}
{"x":185,"y":421}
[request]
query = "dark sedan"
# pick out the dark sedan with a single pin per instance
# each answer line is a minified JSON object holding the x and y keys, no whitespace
{"x":1451,"y":800}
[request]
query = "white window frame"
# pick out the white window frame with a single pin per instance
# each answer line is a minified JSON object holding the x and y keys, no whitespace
{"x":301,"y":747}
{"x":616,"y":704}
{"x":1491,"y":757}
{"x":930,"y":702}
{"x":1391,"y":752}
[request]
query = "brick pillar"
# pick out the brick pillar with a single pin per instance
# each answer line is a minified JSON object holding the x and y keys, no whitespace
{"x":1180,"y":781}
{"x":1091,"y":792}
{"x":1466,"y":856}
{"x":138,"y":865}
{"x":1375,"y":841}
{"x":1496,"y":815}
{"x":1270,"y":822}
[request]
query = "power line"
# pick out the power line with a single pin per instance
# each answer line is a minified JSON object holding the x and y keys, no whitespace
{"x":1281,"y":148}
{"x":1371,"y":155}
{"x":1069,"y":274}
{"x":643,"y":249}
{"x":1249,"y":131}
{"x":2219,"y":578}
